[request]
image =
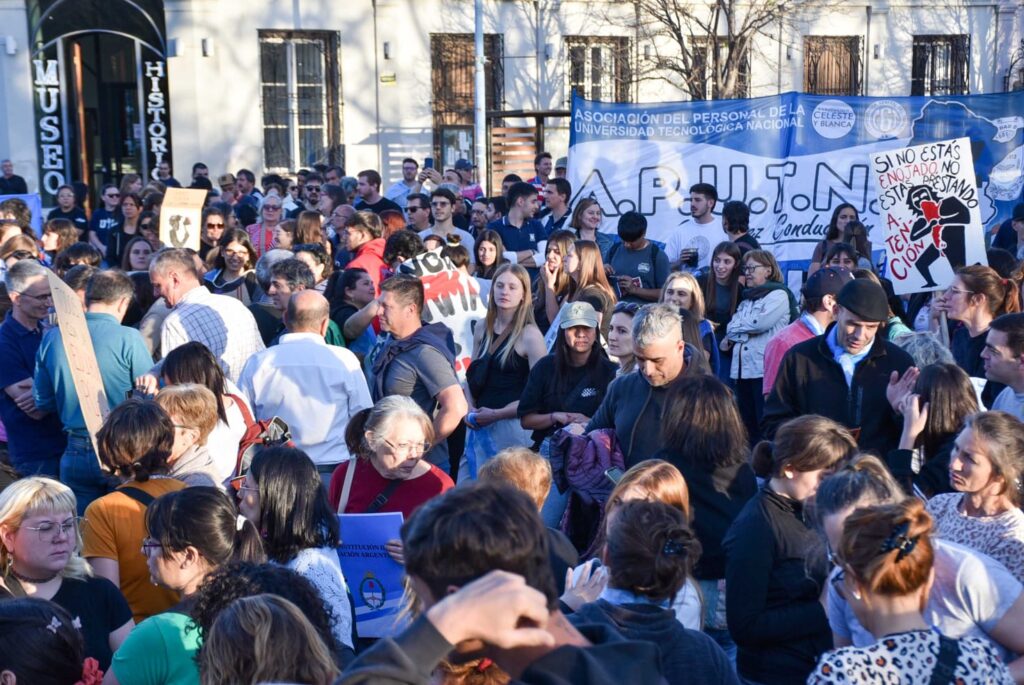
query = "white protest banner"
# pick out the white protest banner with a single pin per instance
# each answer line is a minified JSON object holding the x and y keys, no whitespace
{"x":181,"y":216}
{"x":85,"y":372}
{"x":928,"y":206}
{"x":451,"y":297}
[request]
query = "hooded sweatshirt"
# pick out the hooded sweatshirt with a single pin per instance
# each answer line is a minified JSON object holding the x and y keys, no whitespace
{"x":687,"y":657}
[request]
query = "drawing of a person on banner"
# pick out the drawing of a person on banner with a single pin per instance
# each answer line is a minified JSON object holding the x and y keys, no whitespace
{"x":944,"y":224}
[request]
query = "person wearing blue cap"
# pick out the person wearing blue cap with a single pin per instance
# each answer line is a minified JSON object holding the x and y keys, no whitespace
{"x":844,"y":374}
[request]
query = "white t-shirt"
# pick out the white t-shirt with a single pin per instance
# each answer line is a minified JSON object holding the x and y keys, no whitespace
{"x":971,"y":594}
{"x":1010,"y":402}
{"x":704,"y":237}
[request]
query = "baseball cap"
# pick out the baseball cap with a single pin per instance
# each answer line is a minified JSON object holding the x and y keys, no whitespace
{"x":580,"y":314}
{"x":463,"y":165}
{"x":562,"y":163}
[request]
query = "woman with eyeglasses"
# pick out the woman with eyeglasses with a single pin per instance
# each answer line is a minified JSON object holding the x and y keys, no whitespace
{"x":149,"y":227}
{"x":214,"y":225}
{"x":190,"y":534}
{"x":389,"y":472}
{"x":130,"y":209}
{"x":977,"y":295}
{"x":772,"y":604}
{"x":261,"y":233}
{"x":40,"y":557}
{"x":971,"y":596}
{"x":134,"y":443}
{"x":766,"y":307}
{"x":886,"y":569}
{"x":234,"y":267}
{"x":283,"y":496}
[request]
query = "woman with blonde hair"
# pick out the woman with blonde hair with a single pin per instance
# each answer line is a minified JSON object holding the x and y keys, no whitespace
{"x":651,"y":480}
{"x":886,"y":569}
{"x":262,"y":233}
{"x":554,"y":283}
{"x":682,"y":290}
{"x":40,"y":557}
{"x":264,"y":639}
{"x":766,"y":307}
{"x":586,"y":222}
{"x":505,"y":348}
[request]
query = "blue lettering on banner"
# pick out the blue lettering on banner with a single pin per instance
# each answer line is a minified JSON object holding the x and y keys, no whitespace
{"x":793,"y":158}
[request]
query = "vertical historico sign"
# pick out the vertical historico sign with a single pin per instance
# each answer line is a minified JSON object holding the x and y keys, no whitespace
{"x":157,"y":114}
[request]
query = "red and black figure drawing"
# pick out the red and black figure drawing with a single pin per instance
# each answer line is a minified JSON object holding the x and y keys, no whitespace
{"x":944,"y":222}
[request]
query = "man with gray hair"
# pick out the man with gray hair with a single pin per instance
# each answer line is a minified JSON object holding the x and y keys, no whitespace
{"x":220,"y":322}
{"x":634,"y":401}
{"x":121,"y":356}
{"x":35,"y":439}
{"x":315,"y":387}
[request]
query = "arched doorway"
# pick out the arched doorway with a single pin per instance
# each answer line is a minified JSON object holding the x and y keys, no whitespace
{"x":99,"y":70}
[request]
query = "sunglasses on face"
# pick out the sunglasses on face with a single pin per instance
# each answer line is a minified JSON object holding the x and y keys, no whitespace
{"x":312,"y":189}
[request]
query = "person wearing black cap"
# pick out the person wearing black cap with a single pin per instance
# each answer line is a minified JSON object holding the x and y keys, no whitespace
{"x":817,"y":313}
{"x":844,"y":373}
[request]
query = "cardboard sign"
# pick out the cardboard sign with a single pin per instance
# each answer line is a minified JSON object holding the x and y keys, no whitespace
{"x":373,"y":577}
{"x":929,"y":208}
{"x":85,"y":372}
{"x":181,"y":216}
{"x":450,"y":297}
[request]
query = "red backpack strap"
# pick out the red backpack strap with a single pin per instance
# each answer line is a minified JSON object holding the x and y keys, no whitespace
{"x":244,"y":408}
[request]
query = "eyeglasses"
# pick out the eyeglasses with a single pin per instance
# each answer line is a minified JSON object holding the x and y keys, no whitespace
{"x":210,"y":224}
{"x":112,"y":195}
{"x":48,"y":532}
{"x":146,"y":225}
{"x":272,"y":208}
{"x":312,"y":189}
{"x":752,"y":269}
{"x":407,"y":449}
{"x":40,"y":298}
{"x":957,"y":291}
{"x":414,"y":209}
{"x":149,"y":544}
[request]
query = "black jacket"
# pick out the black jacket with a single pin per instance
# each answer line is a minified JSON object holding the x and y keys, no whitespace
{"x":687,"y":657}
{"x":932,"y":479}
{"x":716,"y":497}
{"x":409,"y":659}
{"x":810,"y":381}
{"x":772,"y":605}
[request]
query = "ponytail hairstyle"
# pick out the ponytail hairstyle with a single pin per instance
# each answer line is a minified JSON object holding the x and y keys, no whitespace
{"x":204,"y":518}
{"x":136,"y":439}
{"x":650,"y":549}
{"x":40,"y":644}
{"x":862,"y":481}
{"x":806,"y":443}
{"x":1002,"y":295}
{"x":887,"y":547}
{"x":1003,"y":436}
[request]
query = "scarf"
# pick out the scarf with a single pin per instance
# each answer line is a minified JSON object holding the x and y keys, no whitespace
{"x":762,"y":291}
{"x":846,"y":360}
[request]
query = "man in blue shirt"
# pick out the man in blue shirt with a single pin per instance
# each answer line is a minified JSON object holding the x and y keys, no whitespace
{"x":35,"y":439}
{"x":121,"y":356}
{"x":519,"y":231}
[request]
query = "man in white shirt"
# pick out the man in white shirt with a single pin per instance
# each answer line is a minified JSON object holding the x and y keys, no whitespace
{"x":690,"y":246}
{"x":220,"y":322}
{"x":400,"y":190}
{"x":1004,"y":362}
{"x":442,"y":203}
{"x":314,"y":387}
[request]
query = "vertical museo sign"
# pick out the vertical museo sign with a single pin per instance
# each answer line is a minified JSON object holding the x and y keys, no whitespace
{"x":46,"y":84}
{"x":157,"y":114}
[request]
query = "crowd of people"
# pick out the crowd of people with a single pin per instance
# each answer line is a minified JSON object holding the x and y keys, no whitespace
{"x":660,"y":465}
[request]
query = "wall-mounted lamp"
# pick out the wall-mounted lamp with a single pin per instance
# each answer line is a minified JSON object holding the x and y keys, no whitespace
{"x":876,"y":51}
{"x":207,"y":47}
{"x":789,"y":52}
{"x":387,"y":49}
{"x":10,"y":46}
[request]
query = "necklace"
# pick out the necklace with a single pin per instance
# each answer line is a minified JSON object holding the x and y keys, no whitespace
{"x":34,"y":581}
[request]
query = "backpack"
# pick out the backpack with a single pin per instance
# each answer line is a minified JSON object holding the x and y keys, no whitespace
{"x":258,"y":435}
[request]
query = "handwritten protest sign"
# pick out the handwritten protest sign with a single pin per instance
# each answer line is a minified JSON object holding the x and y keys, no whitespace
{"x":374,"y":578}
{"x":452,"y":298}
{"x":85,"y":372}
{"x":181,"y":216}
{"x":929,"y":207}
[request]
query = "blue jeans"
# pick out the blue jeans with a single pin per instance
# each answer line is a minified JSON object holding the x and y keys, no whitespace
{"x":81,"y":472}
